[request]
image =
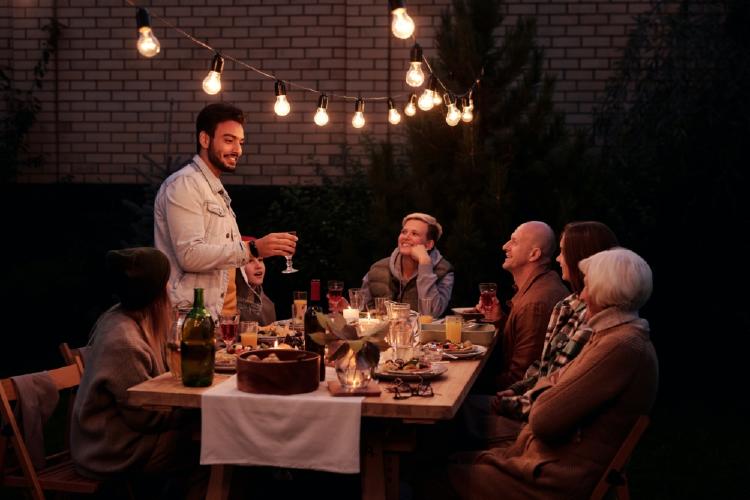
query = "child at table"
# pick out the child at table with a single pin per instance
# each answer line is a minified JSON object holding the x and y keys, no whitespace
{"x":252,"y":303}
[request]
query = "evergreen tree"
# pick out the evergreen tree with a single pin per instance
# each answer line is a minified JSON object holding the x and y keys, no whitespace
{"x":514,"y":162}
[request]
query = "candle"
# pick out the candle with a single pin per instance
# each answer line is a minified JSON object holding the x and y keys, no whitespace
{"x":351,"y":315}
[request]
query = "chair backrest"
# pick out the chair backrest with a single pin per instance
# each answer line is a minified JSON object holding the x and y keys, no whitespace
{"x":73,"y":356}
{"x":614,"y":475}
{"x":66,"y":377}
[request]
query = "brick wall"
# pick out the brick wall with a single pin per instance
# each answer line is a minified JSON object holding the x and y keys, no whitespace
{"x":104,"y":106}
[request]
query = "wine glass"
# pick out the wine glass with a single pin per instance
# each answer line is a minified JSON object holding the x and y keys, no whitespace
{"x":229,"y":324}
{"x":334,"y":296}
{"x":487,"y":292}
{"x":289,"y":267}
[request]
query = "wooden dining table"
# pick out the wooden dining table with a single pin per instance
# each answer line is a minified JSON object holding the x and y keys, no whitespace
{"x":382,"y":444}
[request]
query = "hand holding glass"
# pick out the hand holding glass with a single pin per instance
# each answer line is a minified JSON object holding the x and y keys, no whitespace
{"x":487,"y":292}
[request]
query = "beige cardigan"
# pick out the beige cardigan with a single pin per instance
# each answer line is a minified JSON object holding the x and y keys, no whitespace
{"x":577,"y":424}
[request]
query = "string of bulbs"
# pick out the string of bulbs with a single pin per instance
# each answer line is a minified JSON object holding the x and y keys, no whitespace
{"x":402,"y":26}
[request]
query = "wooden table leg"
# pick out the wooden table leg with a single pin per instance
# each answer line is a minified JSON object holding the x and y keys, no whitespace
{"x":219,"y":482}
{"x":373,"y":467}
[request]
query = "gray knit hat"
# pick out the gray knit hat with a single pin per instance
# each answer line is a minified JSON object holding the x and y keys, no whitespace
{"x":137,"y":275}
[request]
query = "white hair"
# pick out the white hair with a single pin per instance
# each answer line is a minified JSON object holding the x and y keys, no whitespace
{"x":617,"y":277}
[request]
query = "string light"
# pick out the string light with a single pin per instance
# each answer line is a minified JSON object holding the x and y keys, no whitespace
{"x":411,"y":107}
{"x":415,"y":75}
{"x":212,"y":82}
{"x":394,"y":117}
{"x":402,"y":26}
{"x":148,"y":45}
{"x":454,"y":115}
{"x":281,"y":107}
{"x":321,"y":115}
{"x":467,"y":105}
{"x":358,"y":121}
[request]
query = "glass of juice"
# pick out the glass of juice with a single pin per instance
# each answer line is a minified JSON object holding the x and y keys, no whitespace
{"x":453,"y":329}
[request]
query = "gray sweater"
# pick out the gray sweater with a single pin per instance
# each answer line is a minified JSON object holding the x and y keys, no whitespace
{"x":107,"y":436}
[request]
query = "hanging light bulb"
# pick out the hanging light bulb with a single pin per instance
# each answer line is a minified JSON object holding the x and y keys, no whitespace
{"x":415,"y":75}
{"x":394,"y":117}
{"x":425,"y":102}
{"x":281,"y":107}
{"x":436,"y":99}
{"x":212,"y":82}
{"x":402,"y":25}
{"x":321,"y":115}
{"x":454,"y":115}
{"x":358,"y":121}
{"x":411,"y":107}
{"x":467,"y":106}
{"x":148,"y":44}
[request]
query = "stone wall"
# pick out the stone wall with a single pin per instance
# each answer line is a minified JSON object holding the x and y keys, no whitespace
{"x":105,"y":106}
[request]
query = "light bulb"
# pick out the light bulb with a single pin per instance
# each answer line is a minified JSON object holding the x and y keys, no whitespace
{"x":281,"y":107}
{"x":468,"y":106}
{"x":415,"y":75}
{"x":437,"y":100}
{"x":402,"y":25}
{"x":358,"y":121}
{"x":212,"y":82}
{"x":425,"y":102}
{"x":148,"y":44}
{"x":453,"y":116}
{"x":394,"y":117}
{"x":411,"y":108}
{"x":321,"y":115}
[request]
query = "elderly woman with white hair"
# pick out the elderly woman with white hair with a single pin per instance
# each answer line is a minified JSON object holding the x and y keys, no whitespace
{"x":583,"y":412}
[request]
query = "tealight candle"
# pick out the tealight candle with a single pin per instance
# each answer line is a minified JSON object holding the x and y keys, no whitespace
{"x":351,"y":315}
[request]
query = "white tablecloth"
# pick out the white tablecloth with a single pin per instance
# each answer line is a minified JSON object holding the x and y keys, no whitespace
{"x":301,"y":431}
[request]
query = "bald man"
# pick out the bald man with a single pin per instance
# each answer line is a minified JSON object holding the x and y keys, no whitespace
{"x":528,"y":255}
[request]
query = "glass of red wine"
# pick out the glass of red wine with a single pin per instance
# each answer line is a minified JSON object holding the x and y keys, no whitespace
{"x":335,"y":296}
{"x":487,"y":292}
{"x":229,"y":326}
{"x":289,"y":267}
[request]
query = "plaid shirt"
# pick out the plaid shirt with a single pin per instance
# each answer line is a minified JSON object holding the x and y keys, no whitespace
{"x":566,"y":335}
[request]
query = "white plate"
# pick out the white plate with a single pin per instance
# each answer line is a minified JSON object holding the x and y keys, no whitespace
{"x":468,"y":312}
{"x":434,"y":371}
{"x":478,"y":350}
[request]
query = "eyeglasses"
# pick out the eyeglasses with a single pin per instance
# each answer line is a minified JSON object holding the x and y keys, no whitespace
{"x":403,"y":390}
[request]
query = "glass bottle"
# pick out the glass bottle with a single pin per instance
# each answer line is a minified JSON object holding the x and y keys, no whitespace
{"x":197,"y":348}
{"x":312,"y":325}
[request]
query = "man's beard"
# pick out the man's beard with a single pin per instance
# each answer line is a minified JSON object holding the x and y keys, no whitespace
{"x":216,"y":160}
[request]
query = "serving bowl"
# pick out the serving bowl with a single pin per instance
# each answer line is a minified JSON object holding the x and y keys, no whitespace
{"x":296,"y":372}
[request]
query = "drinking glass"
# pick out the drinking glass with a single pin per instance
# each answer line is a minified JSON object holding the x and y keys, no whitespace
{"x":299,"y":307}
{"x":174,"y":339}
{"x":249,"y":333}
{"x":487,"y":291}
{"x":453,"y":329}
{"x":289,"y":267}
{"x":356,"y":299}
{"x":335,"y":300}
{"x":229,"y":324}
{"x":380,"y":309}
{"x":403,"y":331}
{"x":425,"y":310}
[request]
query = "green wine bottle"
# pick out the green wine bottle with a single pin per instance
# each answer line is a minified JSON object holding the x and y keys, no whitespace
{"x":197,"y":348}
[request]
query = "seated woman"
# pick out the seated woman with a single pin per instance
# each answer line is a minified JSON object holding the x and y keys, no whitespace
{"x":252,"y":303}
{"x":583,"y":412}
{"x":109,"y":438}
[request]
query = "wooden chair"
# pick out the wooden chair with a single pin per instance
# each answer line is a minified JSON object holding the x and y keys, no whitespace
{"x":73,"y":356}
{"x":614,"y":476}
{"x":59,"y":474}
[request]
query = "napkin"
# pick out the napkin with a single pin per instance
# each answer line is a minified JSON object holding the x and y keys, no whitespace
{"x":301,"y":431}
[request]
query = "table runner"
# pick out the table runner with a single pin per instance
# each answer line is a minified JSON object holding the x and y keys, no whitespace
{"x":302,"y":431}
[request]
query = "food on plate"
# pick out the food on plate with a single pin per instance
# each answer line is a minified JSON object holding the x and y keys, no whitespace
{"x":238,"y":349}
{"x":224,"y":358}
{"x":466,"y":345}
{"x":284,"y":346}
{"x":406,"y":366}
{"x":275,"y":330}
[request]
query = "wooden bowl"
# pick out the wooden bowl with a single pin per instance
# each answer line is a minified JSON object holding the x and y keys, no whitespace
{"x":296,"y":372}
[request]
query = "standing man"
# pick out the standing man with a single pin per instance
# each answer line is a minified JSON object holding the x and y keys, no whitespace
{"x":194,"y":224}
{"x":528,"y":256}
{"x":415,"y":269}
